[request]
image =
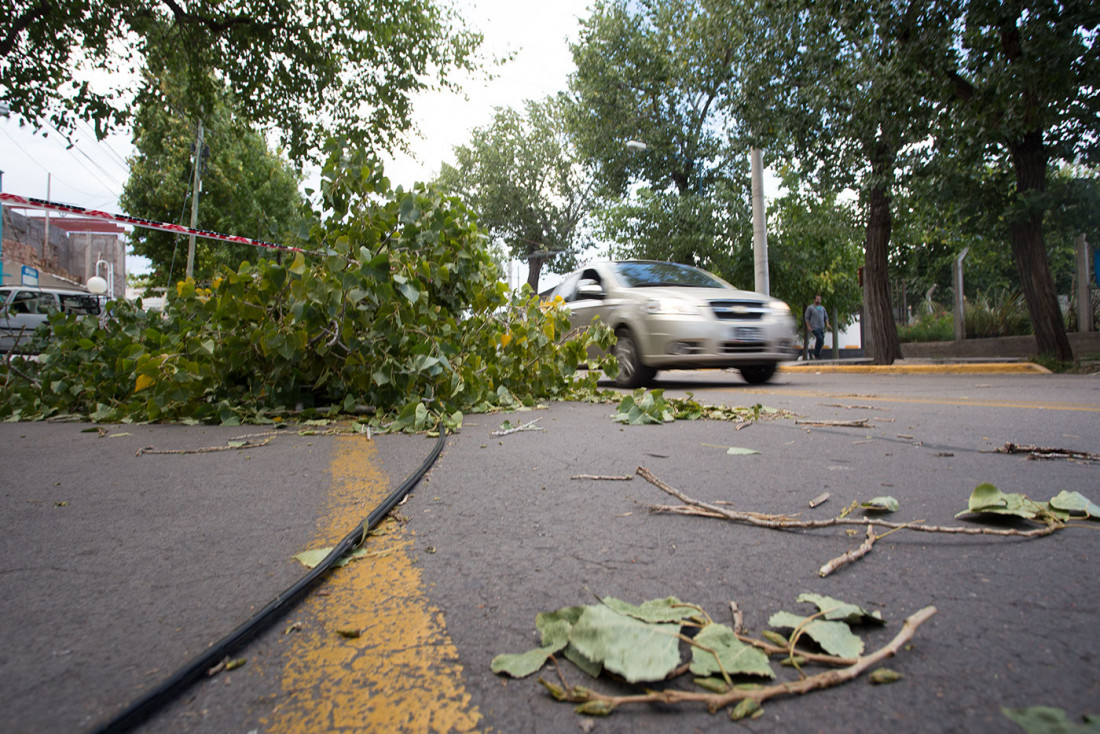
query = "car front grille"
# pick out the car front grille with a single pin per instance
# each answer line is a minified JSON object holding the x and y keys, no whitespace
{"x":743,"y":347}
{"x":738,"y":310}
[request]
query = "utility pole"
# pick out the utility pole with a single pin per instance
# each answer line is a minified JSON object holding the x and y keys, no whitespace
{"x":46,"y":227}
{"x":196,"y":184}
{"x":2,"y":229}
{"x":759,"y":225}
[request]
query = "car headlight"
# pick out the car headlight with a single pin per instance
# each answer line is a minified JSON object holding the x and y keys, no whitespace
{"x":671,"y":306}
{"x":780,"y":309}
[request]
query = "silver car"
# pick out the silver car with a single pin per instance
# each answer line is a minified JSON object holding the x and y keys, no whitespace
{"x":671,"y":316}
{"x":23,"y":309}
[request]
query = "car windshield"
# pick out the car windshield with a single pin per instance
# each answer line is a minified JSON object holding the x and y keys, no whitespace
{"x":79,"y":303}
{"x":655,"y":274}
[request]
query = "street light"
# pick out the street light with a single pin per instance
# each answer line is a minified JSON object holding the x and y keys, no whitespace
{"x":635,"y":145}
{"x":98,"y":285}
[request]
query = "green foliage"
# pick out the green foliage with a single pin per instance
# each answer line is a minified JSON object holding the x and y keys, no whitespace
{"x":522,"y":176}
{"x":247,"y":190}
{"x":987,"y":499}
{"x":934,"y":327}
{"x":305,"y":67}
{"x":642,"y":644}
{"x":835,"y":638}
{"x":659,"y":73}
{"x":400,"y":314}
{"x":885,"y":503}
{"x":815,"y":245}
{"x":644,"y":407}
{"x":1003,"y":313}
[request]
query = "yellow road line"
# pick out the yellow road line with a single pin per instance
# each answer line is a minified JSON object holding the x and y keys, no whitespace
{"x":1019,"y":404}
{"x":402,"y":673}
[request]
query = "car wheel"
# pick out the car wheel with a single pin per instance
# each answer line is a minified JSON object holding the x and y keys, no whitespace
{"x":758,"y":374}
{"x":632,"y":373}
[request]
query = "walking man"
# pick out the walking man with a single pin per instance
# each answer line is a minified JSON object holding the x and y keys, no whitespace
{"x":817,"y":321}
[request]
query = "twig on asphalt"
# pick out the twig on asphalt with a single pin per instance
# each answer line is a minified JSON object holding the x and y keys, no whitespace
{"x":786,"y":522}
{"x":207,"y":449}
{"x":861,"y":423}
{"x":850,"y":556}
{"x":529,"y":426}
{"x":1042,"y":452}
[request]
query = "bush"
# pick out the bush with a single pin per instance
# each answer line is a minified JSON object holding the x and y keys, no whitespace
{"x":399,"y":313}
{"x":1004,"y":313}
{"x":935,"y":327}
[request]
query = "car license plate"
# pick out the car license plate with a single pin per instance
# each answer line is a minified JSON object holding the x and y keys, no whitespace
{"x":747,"y":334}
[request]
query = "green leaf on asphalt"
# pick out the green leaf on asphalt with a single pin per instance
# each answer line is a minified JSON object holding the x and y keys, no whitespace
{"x":555,"y":626}
{"x":986,"y":498}
{"x":835,"y":638}
{"x":881,"y":676}
{"x":735,"y":451}
{"x":1074,"y":503}
{"x":746,"y":708}
{"x":634,"y":649}
{"x":840,"y":611}
{"x":737,"y":658}
{"x":881,"y":504}
{"x":311,"y":558}
{"x":589,"y":667}
{"x":1048,"y":720}
{"x":522,"y":664}
{"x":669,"y":609}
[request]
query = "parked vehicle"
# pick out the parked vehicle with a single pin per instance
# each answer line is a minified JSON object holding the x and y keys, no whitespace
{"x":672,"y":316}
{"x":24,"y":309}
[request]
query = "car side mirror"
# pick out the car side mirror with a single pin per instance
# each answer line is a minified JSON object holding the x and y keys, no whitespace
{"x":591,"y":290}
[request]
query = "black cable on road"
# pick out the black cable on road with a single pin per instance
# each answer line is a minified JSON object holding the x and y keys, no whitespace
{"x":140,"y":710}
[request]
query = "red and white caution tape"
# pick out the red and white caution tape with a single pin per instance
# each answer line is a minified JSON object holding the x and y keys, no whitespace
{"x":30,"y":203}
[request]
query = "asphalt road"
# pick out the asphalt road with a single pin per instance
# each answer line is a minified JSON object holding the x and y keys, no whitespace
{"x":118,"y":568}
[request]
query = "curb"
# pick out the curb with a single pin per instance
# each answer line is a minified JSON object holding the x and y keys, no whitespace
{"x":900,"y":367}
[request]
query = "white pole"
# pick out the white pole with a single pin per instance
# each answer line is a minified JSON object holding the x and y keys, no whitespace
{"x":195,"y":183}
{"x":960,"y":298}
{"x":1084,"y":299}
{"x":759,"y":225}
{"x":46,"y":233}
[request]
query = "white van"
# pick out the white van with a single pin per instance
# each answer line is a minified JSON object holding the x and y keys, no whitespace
{"x":23,"y":309}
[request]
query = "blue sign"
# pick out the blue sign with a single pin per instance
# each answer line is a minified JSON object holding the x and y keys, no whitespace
{"x":30,"y":275}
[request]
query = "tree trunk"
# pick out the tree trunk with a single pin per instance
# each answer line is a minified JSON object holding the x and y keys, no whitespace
{"x":1026,"y":231}
{"x":880,"y":330}
{"x":534,"y":267}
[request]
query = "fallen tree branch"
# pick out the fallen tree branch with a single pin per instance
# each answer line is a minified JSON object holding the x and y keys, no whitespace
{"x":529,"y":426}
{"x":785,"y":522}
{"x":850,"y":556}
{"x":715,"y":701}
{"x":1042,"y":452}
{"x":861,"y":423}
{"x":207,"y":449}
{"x":604,"y":477}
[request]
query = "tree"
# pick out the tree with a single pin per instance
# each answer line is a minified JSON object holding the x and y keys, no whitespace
{"x":658,"y":72}
{"x":246,"y":189}
{"x":1021,"y":78}
{"x":307,"y":67}
{"x":522,"y":176}
{"x":843,"y":94}
{"x":815,"y":246}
